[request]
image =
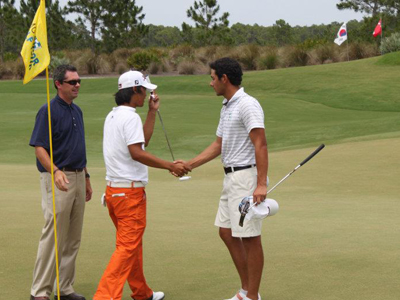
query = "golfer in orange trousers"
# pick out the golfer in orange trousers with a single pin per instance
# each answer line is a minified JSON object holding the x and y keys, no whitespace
{"x":127,"y":209}
{"x":126,"y":173}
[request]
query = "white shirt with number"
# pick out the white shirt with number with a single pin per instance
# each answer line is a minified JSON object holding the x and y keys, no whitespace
{"x":239,"y":116}
{"x":123,"y":127}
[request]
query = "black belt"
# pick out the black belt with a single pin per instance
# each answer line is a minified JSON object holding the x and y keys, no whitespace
{"x":234,"y":169}
{"x":67,"y":169}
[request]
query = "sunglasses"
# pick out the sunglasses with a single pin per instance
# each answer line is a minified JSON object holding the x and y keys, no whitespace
{"x":72,"y":82}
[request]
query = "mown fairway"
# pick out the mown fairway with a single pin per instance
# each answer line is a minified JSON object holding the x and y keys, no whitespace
{"x":335,"y":237}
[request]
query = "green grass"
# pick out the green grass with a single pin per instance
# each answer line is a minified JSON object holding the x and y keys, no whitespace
{"x":335,"y":237}
{"x":390,"y":59}
{"x":303,"y":107}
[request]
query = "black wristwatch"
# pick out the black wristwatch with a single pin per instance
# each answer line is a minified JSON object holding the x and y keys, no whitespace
{"x":87,"y":175}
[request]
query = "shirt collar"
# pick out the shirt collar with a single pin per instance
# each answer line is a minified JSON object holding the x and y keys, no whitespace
{"x":124,"y":107}
{"x":63,"y":104}
{"x":236,"y":96}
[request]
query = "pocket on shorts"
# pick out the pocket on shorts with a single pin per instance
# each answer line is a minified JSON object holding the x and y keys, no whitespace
{"x":246,"y":179}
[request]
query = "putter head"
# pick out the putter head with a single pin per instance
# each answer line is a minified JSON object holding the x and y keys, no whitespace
{"x":243,"y":209}
{"x":248,"y":210}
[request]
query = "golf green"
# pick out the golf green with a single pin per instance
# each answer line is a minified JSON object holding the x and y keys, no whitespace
{"x":335,"y":236}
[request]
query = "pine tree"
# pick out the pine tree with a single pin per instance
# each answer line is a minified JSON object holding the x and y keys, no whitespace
{"x":212,"y":29}
{"x":122,"y":25}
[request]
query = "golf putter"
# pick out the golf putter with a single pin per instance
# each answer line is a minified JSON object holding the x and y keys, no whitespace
{"x":183,"y":178}
{"x":244,"y":209}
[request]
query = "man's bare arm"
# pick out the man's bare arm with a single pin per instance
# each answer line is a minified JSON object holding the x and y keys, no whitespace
{"x":257,"y":136}
{"x":208,"y":154}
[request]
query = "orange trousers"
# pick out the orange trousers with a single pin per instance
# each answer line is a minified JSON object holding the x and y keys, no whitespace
{"x":127,"y":209}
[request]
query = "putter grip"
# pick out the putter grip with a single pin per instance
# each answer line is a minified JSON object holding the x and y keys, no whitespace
{"x":312,"y":154}
{"x":241,"y":220}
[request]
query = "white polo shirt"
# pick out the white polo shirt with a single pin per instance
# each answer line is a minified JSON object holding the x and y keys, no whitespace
{"x":123,"y":127}
{"x":239,"y":116}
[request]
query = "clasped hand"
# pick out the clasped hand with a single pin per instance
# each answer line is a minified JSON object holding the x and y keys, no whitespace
{"x":180,"y":168}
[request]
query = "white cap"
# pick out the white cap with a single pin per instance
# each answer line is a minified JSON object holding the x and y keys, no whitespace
{"x":134,"y":78}
{"x":267,"y":208}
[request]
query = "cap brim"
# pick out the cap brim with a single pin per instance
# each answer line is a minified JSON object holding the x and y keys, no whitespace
{"x":149,"y":86}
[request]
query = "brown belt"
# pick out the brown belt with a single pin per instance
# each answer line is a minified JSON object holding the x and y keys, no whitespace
{"x":67,"y":169}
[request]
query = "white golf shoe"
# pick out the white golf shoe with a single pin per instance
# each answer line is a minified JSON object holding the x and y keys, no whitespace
{"x":242,"y":295}
{"x":158,"y":296}
{"x":239,"y":296}
{"x":245,"y":297}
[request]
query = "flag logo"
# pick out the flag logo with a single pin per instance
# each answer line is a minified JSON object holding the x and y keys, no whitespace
{"x":342,"y":33}
{"x":32,"y":39}
{"x":35,"y":51}
{"x":37,"y":44}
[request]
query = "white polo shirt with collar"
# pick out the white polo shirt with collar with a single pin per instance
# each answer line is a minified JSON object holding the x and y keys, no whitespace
{"x":239,"y":116}
{"x":123,"y":127}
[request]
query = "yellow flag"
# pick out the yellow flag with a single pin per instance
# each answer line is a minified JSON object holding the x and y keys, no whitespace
{"x":35,"y":51}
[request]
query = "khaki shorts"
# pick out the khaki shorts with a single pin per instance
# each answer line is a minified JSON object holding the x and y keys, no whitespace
{"x":237,"y":185}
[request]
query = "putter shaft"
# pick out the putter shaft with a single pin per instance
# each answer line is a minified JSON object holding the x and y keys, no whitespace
{"x":294,"y":170}
{"x":165,"y":133}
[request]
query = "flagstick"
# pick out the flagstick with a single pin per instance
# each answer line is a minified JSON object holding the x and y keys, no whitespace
{"x":381,"y":32}
{"x":52,"y":182}
{"x":348,"y":57}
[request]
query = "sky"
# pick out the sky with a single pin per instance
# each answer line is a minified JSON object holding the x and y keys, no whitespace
{"x":261,"y":12}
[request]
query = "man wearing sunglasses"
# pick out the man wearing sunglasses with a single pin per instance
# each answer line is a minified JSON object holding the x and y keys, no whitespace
{"x":72,"y":183}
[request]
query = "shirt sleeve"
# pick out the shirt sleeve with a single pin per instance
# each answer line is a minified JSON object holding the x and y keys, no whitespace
{"x":220,"y":126}
{"x":252,"y":114}
{"x":40,"y":134}
{"x":133,"y":130}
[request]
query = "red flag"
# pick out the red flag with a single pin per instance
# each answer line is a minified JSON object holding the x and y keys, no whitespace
{"x":378,"y":29}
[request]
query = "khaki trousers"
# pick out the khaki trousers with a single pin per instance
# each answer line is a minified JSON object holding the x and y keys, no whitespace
{"x":70,"y":207}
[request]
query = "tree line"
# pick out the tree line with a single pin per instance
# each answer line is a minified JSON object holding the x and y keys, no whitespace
{"x":106,"y":25}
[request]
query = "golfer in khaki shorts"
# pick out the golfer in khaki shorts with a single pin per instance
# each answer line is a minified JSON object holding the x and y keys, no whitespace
{"x":243,"y":147}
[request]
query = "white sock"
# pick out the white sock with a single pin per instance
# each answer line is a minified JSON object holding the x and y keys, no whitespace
{"x":242,"y":291}
{"x":245,"y":293}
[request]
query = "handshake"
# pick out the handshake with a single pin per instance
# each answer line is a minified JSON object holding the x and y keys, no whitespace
{"x":180,"y":168}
